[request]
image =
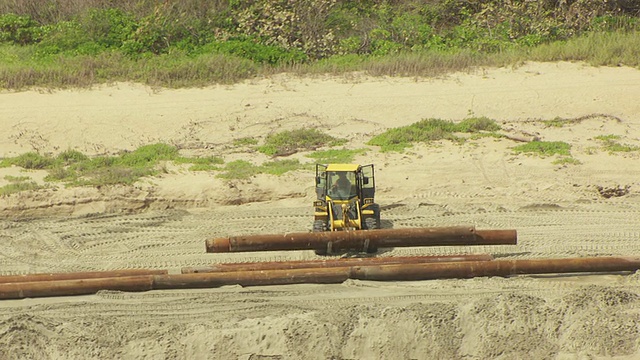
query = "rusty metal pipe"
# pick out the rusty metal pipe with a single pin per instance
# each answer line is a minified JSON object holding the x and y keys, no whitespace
{"x":494,"y":268}
{"x":253,"y":278}
{"x":306,"y":264}
{"x":398,"y":272}
{"x":393,"y":272}
{"x":78,"y":275}
{"x":363,"y":240}
{"x":75,"y":287}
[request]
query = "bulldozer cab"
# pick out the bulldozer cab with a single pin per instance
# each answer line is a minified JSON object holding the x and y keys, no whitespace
{"x":345,"y":199}
{"x":343,"y":182}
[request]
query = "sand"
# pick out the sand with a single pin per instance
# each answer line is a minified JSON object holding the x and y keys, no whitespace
{"x":162,"y":222}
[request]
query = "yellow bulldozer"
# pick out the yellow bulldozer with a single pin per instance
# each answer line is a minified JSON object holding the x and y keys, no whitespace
{"x":345,"y":198}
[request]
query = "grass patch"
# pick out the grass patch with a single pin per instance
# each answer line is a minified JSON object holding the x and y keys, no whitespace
{"x":544,"y":148}
{"x":76,"y":169}
{"x":567,"y":160}
{"x":428,"y":130}
{"x":279,"y":167}
{"x":18,"y":187}
{"x":18,"y":184}
{"x":207,"y":163}
{"x":242,"y":169}
{"x":291,"y":141}
{"x":14,"y":179}
{"x":245,"y":141}
{"x":336,"y":156}
{"x":30,"y":160}
{"x":239,"y":169}
{"x":610,"y":144}
{"x":557,"y":122}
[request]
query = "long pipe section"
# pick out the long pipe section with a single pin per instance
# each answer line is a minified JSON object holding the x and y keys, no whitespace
{"x":75,"y":287}
{"x":342,"y":262}
{"x":78,"y":275}
{"x":393,"y":272}
{"x":363,"y":240}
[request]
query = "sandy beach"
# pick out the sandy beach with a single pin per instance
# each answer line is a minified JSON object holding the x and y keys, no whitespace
{"x":162,"y":222}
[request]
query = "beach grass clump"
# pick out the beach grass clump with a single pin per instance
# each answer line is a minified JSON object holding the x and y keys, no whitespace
{"x":544,"y":148}
{"x":207,"y":163}
{"x":31,"y":160}
{"x":245,"y":141}
{"x":429,"y":130}
{"x":291,"y":141}
{"x":610,"y":143}
{"x":279,"y":167}
{"x":239,"y":169}
{"x":336,"y":156}
{"x":567,"y":160}
{"x":242,"y":169}
{"x":74,"y":168}
{"x":18,"y":184}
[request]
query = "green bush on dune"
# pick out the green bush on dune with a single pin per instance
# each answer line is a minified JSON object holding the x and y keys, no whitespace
{"x":191,"y":43}
{"x":74,"y":168}
{"x":292,"y":141}
{"x":428,"y":130}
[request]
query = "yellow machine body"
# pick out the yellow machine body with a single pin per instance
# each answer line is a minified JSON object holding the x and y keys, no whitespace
{"x":345,"y":198}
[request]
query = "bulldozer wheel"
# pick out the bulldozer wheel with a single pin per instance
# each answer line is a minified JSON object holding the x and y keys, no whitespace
{"x":371,"y":224}
{"x":319,"y":226}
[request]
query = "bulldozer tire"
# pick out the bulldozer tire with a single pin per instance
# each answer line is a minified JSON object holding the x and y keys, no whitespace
{"x":376,"y":210}
{"x":319,"y":226}
{"x":371,"y":224}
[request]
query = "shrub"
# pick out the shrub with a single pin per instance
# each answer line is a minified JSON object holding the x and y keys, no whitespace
{"x":245,"y":141}
{"x":16,"y":187}
{"x":148,"y":155}
{"x":239,"y":169}
{"x":544,"y":148}
{"x":202,"y":164}
{"x":109,"y":27}
{"x":336,"y":156}
{"x":279,"y":167}
{"x":21,"y":30}
{"x":397,"y":139}
{"x":610,"y":144}
{"x":65,"y":36}
{"x":292,"y":141}
{"x":31,"y":160}
{"x":247,"y":49}
{"x":71,"y":157}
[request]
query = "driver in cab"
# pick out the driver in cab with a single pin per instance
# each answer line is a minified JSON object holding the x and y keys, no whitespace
{"x":342,"y":184}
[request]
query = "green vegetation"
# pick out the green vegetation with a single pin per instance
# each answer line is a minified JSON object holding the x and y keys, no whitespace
{"x":544,"y":148}
{"x":195,"y":43}
{"x":428,"y":130}
{"x":208,"y":163}
{"x":245,"y":141}
{"x":558,"y":122}
{"x":610,"y":144}
{"x":291,"y":141}
{"x":336,"y":156}
{"x":30,"y":160}
{"x":241,"y":169}
{"x":17,"y":184}
{"x":279,"y":167}
{"x":567,"y":160}
{"x":74,"y":168}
